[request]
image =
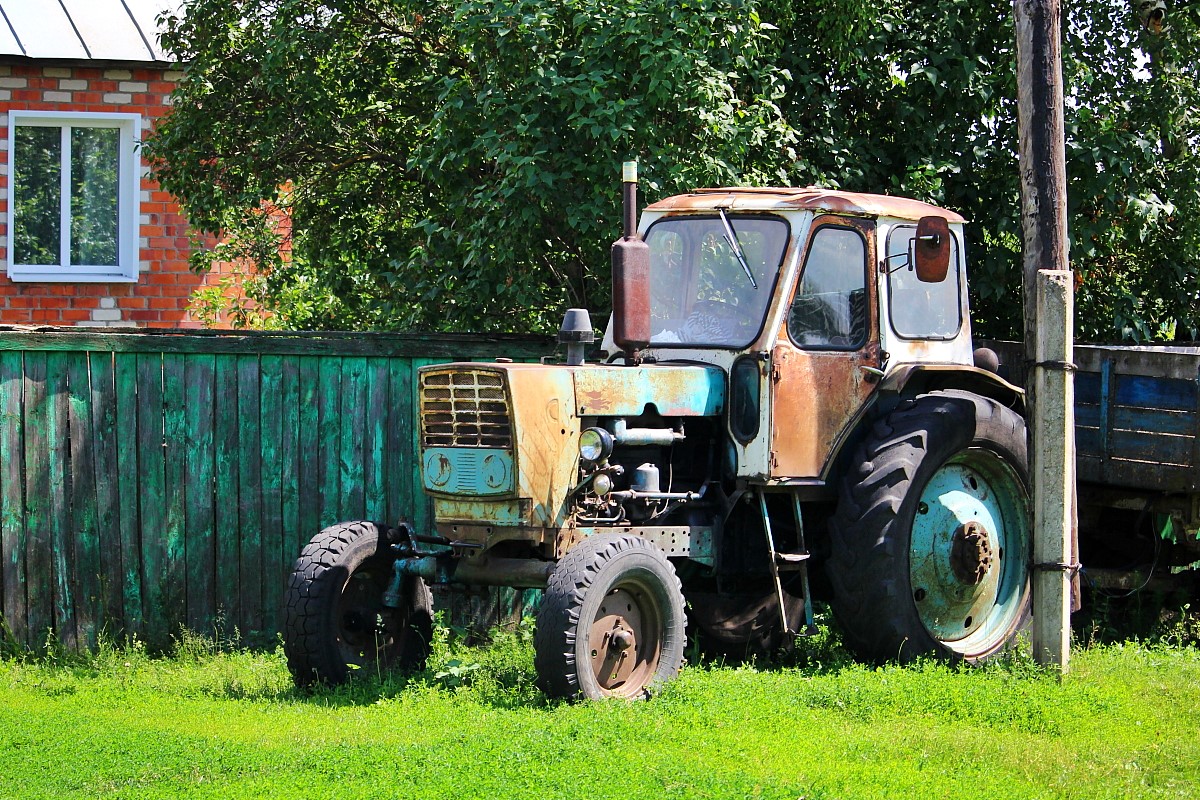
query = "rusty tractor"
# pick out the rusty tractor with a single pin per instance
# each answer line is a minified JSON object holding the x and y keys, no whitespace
{"x":787,"y":379}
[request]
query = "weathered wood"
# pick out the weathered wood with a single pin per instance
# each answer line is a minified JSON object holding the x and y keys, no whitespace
{"x":228,"y":601}
{"x":309,"y":468}
{"x":83,"y":534}
{"x":374,"y":424}
{"x":353,"y":421}
{"x":103,"y":408}
{"x":250,"y":514}
{"x":39,"y":563}
{"x":403,"y":497}
{"x":147,"y":487}
{"x":128,"y":483}
{"x":387,"y":345}
{"x":12,"y":497}
{"x":151,"y":477}
{"x":329,"y":426}
{"x":271,"y":437}
{"x":200,"y":515}
{"x":292,"y":536}
{"x":1042,"y":161}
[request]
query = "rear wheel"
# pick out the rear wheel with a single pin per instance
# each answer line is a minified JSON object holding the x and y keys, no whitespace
{"x":932,"y":536}
{"x":611,"y":623}
{"x":335,"y":622}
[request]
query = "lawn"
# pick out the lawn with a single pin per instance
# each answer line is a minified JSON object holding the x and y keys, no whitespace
{"x":214,"y":722}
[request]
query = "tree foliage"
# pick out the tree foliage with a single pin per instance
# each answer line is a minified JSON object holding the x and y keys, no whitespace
{"x":452,"y":165}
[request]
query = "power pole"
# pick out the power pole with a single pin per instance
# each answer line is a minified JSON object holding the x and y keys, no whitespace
{"x":1048,"y":290}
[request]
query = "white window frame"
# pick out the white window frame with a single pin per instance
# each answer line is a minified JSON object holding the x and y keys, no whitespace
{"x":128,"y":204}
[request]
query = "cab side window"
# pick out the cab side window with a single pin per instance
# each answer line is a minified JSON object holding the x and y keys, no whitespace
{"x":829,"y":310}
{"x":920,"y":310}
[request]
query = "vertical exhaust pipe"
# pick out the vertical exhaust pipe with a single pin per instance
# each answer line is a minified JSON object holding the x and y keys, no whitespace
{"x":630,"y":275}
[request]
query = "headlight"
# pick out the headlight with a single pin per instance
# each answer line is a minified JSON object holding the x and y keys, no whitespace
{"x":595,"y":445}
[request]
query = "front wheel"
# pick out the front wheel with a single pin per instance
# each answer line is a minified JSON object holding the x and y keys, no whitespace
{"x":611,"y":623}
{"x":335,"y":622}
{"x":932,"y":535}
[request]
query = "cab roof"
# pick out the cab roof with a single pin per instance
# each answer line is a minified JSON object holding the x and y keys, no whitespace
{"x":809,"y":198}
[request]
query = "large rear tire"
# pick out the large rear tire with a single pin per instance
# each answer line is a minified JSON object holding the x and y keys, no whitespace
{"x":611,"y":622}
{"x":335,"y":622}
{"x":932,"y":535}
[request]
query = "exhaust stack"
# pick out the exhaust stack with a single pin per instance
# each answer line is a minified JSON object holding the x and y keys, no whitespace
{"x":631,"y":275}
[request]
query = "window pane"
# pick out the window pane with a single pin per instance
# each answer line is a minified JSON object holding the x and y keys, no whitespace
{"x":921,"y":310}
{"x":95,"y":162}
{"x":37,"y":194}
{"x":700,"y":293}
{"x":830,"y":308}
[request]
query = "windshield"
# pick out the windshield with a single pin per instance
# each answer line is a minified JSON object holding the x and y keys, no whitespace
{"x":701,"y":292}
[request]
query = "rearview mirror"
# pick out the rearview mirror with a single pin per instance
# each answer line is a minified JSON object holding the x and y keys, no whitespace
{"x":932,"y":246}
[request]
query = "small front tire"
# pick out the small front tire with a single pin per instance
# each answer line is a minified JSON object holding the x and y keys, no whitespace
{"x":335,"y":622}
{"x":611,"y":623}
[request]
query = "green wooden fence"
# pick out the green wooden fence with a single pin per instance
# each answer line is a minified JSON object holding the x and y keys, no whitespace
{"x":153,"y":480}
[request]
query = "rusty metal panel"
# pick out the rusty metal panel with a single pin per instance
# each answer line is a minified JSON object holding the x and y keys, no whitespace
{"x":811,"y":198}
{"x":547,"y":429}
{"x":816,"y":394}
{"x":675,"y":391}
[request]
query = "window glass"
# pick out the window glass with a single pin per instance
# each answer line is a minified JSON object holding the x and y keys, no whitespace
{"x":700,"y":292}
{"x":95,"y":163}
{"x":74,"y":204}
{"x":830,"y":306}
{"x":37,"y":192}
{"x":920,"y":310}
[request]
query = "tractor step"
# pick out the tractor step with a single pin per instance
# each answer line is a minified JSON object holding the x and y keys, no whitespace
{"x":790,"y":562}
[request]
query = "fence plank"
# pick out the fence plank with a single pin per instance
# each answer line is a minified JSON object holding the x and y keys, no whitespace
{"x":352,"y":420}
{"x":12,"y":500}
{"x":128,"y":484}
{"x":271,"y":429}
{"x":377,"y":416}
{"x":39,"y":567}
{"x":227,"y":570}
{"x":102,"y":405}
{"x":151,"y":479}
{"x":58,"y":458}
{"x":250,"y":495}
{"x":200,"y":517}
{"x":310,"y":449}
{"x":83,"y":508}
{"x":291,"y":455}
{"x":329,"y":409}
{"x":401,"y":500}
{"x":177,"y":442}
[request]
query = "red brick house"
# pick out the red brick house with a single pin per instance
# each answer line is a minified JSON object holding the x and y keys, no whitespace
{"x":86,"y":238}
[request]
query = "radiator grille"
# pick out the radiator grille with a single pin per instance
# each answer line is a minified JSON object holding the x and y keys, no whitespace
{"x":465,"y":408}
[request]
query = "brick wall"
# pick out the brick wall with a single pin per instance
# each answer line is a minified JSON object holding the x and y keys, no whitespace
{"x":160,"y":297}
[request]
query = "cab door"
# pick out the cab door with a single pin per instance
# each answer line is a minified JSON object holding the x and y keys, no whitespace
{"x":821,"y":367}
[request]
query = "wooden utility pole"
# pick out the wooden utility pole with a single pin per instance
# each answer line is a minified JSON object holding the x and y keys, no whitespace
{"x":1048,"y":291}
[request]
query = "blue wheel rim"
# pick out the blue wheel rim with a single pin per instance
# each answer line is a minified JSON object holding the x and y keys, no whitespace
{"x":969,"y":551}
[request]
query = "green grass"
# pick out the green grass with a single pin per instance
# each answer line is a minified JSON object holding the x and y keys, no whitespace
{"x":210,"y":722}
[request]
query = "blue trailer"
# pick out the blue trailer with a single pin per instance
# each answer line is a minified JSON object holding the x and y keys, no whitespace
{"x":1137,"y":438}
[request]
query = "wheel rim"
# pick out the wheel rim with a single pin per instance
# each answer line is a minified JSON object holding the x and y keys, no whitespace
{"x":625,"y":639}
{"x":968,"y":553}
{"x":367,"y":630}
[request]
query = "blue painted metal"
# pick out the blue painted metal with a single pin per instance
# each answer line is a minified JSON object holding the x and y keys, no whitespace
{"x":474,"y":472}
{"x":1106,"y":393}
{"x":974,"y":487}
{"x":674,"y":390}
